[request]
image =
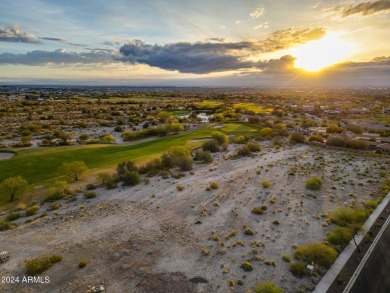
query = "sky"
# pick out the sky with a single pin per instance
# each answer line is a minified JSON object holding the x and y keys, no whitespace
{"x":196,"y":43}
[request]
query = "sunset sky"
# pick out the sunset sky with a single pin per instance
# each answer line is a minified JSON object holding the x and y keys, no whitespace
{"x":202,"y":43}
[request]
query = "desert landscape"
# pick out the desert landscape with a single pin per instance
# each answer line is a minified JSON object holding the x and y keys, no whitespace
{"x":154,"y":238}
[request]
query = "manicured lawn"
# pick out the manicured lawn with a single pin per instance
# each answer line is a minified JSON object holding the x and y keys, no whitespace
{"x":253,"y":107}
{"x":38,"y":165}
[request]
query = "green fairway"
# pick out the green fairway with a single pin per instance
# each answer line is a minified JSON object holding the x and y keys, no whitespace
{"x":38,"y":165}
{"x":253,"y":107}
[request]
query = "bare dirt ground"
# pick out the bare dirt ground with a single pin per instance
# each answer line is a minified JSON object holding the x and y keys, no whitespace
{"x":149,"y":238}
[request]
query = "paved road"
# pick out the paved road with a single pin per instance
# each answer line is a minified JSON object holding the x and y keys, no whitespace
{"x":375,"y":275}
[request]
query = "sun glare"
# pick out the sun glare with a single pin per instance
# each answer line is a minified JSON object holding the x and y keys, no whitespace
{"x":322,"y":53}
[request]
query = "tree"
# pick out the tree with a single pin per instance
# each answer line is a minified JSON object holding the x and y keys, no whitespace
{"x":13,"y":186}
{"x":73,"y":169}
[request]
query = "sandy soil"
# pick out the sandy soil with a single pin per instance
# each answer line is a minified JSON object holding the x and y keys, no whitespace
{"x":149,"y":238}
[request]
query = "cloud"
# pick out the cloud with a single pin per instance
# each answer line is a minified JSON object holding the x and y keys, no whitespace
{"x":59,"y":56}
{"x":261,"y":25}
{"x":206,"y":57}
{"x":257,"y":13}
{"x":13,"y":34}
{"x":52,"y":39}
{"x":364,"y":8}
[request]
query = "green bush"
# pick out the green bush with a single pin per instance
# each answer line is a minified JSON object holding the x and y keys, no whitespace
{"x":82,"y":264}
{"x":266,"y":183}
{"x":180,"y":187}
{"x":257,"y":211}
{"x":214,"y":185}
{"x":239,"y":139}
{"x":211,"y":145}
{"x":203,"y":156}
{"x":37,"y":266}
{"x":297,"y":137}
{"x":286,"y":257}
{"x":131,"y":178}
{"x":298,"y":269}
{"x":124,"y":168}
{"x":249,"y":232}
{"x":267,"y":287}
{"x":313,"y":183}
{"x":244,"y":151}
{"x":89,"y":194}
{"x":6,"y":225}
{"x":317,"y":252}
{"x":253,"y":146}
{"x":247,"y":266}
{"x":345,"y":216}
{"x":109,"y":181}
{"x":220,"y":137}
{"x":339,"y":236}
{"x":90,"y":187}
{"x":13,"y":216}
{"x":32,"y":210}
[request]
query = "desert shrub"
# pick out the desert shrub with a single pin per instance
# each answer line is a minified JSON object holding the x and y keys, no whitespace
{"x":334,"y":129}
{"x":239,"y":139}
{"x":206,"y":251}
{"x":249,"y":232}
{"x":313,"y":183}
{"x":270,"y":262}
{"x":357,"y":144}
{"x":316,"y":138}
{"x":266,"y":183}
{"x":151,"y":168}
{"x":124,"y":167}
{"x":82,"y":264}
{"x":214,"y":185}
{"x":54,"y":206}
{"x":253,"y":146}
{"x":339,"y":236}
{"x":286,"y":257}
{"x":370,"y":204}
{"x":13,"y":216}
{"x":276,"y":222}
{"x":211,"y":145}
{"x":266,"y":132}
{"x":89,"y":194}
{"x":131,"y":178}
{"x":203,"y":156}
{"x":257,"y":211}
{"x":32,"y":210}
{"x":109,"y":181}
{"x":179,"y":156}
{"x":338,"y":141}
{"x":220,"y":137}
{"x":180,"y":187}
{"x":37,"y":266}
{"x":184,"y":163}
{"x":344,"y":216}
{"x":6,"y":225}
{"x":357,"y":129}
{"x":317,"y":252}
{"x":90,"y":187}
{"x":298,"y":269}
{"x":247,"y":266}
{"x":297,"y":137}
{"x":267,"y":287}
{"x":244,"y":151}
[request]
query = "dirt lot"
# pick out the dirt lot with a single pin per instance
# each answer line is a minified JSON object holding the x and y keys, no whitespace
{"x":149,"y":238}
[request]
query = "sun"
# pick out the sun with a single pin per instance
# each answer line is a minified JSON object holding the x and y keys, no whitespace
{"x":316,"y":55}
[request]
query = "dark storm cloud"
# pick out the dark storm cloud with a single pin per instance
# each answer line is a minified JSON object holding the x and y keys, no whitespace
{"x":206,"y":57}
{"x":52,"y":39}
{"x":60,"y":56}
{"x":13,"y":34}
{"x":364,"y":8}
